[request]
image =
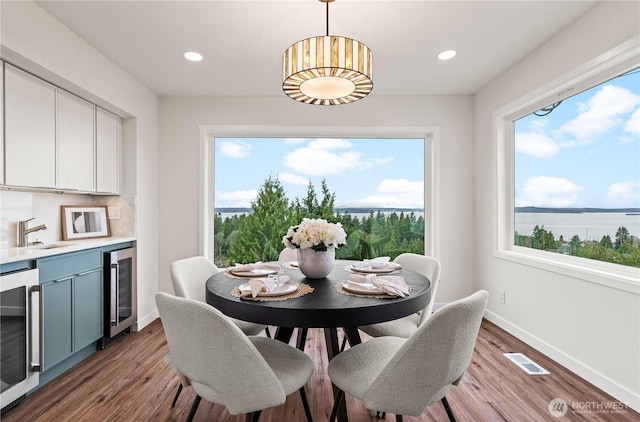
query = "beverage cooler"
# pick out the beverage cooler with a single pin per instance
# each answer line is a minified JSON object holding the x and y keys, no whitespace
{"x":120,"y":306}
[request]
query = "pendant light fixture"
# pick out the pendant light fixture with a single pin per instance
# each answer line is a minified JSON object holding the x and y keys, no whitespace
{"x":327,"y":70}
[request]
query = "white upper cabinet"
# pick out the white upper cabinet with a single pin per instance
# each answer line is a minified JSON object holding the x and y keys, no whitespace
{"x":55,"y":140}
{"x":76,"y":152}
{"x":30,"y":130}
{"x":1,"y":124}
{"x":108,"y":146}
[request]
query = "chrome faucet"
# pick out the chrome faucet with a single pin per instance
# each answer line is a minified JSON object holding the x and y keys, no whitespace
{"x":24,"y":230}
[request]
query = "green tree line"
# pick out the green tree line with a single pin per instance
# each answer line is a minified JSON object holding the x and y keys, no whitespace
{"x":623,"y":250}
{"x":258,"y":236}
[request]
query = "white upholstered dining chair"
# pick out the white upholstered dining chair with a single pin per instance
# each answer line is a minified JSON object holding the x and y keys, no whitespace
{"x":404,"y":327}
{"x":246,"y":374}
{"x":189,"y":277}
{"x":288,"y":254}
{"x":404,"y":376}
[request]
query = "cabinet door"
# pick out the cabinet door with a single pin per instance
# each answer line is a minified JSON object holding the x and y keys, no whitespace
{"x":56,"y":321}
{"x":87,"y":308}
{"x":107,"y":156}
{"x":76,"y":153}
{"x":2,"y":122}
{"x":30,"y":130}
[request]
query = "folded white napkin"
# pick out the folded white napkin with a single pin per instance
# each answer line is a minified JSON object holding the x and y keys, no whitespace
{"x":375,"y":263}
{"x":389,"y":284}
{"x":265,"y":285}
{"x":247,"y":267}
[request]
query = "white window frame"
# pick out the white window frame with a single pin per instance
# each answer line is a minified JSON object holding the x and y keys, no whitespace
{"x":430,"y":134}
{"x":615,"y":62}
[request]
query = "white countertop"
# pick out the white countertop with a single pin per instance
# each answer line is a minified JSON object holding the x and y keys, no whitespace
{"x":15,"y":254}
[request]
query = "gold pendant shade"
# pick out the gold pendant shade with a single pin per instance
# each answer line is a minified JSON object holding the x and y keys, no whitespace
{"x":327,"y":70}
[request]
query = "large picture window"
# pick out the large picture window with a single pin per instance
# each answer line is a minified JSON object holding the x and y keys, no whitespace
{"x":258,"y":182}
{"x":577,"y":174}
{"x":373,"y":187}
{"x":568,"y":173}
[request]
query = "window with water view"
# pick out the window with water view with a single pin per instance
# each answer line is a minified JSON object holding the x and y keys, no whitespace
{"x":374,"y":187}
{"x":577,"y":174}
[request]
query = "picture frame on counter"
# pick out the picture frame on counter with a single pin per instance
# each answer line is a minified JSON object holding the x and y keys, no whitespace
{"x":82,"y":222}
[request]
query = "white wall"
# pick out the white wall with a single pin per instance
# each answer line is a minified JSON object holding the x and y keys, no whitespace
{"x":33,"y":39}
{"x":591,"y":329}
{"x":181,"y":117}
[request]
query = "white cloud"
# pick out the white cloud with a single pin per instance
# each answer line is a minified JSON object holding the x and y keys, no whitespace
{"x":633,"y":124}
{"x":395,"y":193}
{"x":293,"y":141}
{"x":329,"y":144}
{"x":235,"y":149}
{"x":624,"y":194}
{"x":601,"y":113}
{"x":239,"y":198}
{"x":327,"y":156}
{"x":294,"y":179}
{"x":544,"y":191}
{"x":535,"y":144}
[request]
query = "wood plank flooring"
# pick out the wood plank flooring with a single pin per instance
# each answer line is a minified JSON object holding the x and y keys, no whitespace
{"x":129,"y":381}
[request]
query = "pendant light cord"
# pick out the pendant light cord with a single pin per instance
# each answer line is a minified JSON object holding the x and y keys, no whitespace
{"x":327,"y":19}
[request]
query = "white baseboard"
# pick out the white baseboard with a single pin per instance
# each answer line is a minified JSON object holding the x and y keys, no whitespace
{"x":145,"y":320}
{"x":607,"y":385}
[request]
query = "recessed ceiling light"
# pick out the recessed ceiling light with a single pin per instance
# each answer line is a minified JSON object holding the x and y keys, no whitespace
{"x":447,"y":54}
{"x":193,"y":56}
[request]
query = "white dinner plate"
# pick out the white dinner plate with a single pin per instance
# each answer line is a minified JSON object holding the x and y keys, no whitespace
{"x":284,"y":289}
{"x":362,"y":288}
{"x":387,"y":268}
{"x":258,"y":271}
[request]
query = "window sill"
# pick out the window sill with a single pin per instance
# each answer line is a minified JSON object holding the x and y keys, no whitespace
{"x":610,"y":275}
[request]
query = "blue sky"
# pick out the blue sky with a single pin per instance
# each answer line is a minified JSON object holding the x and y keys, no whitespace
{"x":361,"y":172}
{"x":585,"y":153}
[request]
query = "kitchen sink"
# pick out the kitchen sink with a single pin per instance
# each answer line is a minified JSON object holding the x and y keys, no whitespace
{"x":50,"y":246}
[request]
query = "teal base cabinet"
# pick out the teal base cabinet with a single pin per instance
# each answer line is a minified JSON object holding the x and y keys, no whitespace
{"x":72,"y":304}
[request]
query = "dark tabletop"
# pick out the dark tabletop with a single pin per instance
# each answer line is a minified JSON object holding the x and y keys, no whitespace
{"x":324,"y":307}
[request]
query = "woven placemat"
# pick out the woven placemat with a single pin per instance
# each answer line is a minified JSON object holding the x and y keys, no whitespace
{"x":351,"y":270}
{"x":229,"y":274}
{"x":344,"y":291}
{"x":303,"y":289}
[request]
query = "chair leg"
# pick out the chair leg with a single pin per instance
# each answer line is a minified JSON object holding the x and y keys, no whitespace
{"x":344,"y":343}
{"x":305,"y":404}
{"x":175,"y":399}
{"x":194,"y":407}
{"x":302,"y":338}
{"x":336,"y":404}
{"x":398,"y":418}
{"x":253,"y":416}
{"x":445,"y":403}
{"x":267,"y":332}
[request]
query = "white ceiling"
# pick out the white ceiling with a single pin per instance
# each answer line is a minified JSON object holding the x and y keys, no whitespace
{"x":243,"y":41}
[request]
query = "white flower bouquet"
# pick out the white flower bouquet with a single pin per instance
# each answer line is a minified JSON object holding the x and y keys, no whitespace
{"x":317,"y":234}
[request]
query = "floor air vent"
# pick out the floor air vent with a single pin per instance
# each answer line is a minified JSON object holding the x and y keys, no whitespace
{"x":529,"y":366}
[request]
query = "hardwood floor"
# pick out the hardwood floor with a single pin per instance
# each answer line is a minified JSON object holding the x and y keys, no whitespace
{"x":129,"y":381}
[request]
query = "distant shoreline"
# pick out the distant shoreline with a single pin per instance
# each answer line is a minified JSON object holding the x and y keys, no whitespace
{"x":538,"y":210}
{"x":350,"y":210}
{"x":542,"y":210}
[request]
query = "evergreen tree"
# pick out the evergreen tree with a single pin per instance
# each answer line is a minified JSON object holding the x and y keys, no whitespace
{"x":260,"y":234}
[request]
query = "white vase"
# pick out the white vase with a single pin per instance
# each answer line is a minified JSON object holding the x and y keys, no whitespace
{"x":316,"y":264}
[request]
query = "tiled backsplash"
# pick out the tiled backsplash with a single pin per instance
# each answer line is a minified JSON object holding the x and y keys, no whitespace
{"x":45,"y":209}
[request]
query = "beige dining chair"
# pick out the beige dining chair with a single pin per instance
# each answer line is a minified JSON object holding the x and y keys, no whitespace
{"x":405,"y":376}
{"x":189,"y":277}
{"x":404,"y":327}
{"x":288,"y":254}
{"x":246,"y":374}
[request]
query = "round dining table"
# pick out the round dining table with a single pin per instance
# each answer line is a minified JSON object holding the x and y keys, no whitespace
{"x":325,"y":307}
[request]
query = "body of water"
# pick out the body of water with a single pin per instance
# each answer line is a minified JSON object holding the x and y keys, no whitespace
{"x":588,"y":225}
